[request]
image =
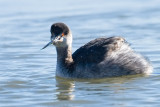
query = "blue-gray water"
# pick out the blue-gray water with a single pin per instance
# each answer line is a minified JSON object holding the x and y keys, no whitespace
{"x":27,"y":74}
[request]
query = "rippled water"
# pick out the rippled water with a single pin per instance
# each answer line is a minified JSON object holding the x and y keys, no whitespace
{"x":27,"y":74}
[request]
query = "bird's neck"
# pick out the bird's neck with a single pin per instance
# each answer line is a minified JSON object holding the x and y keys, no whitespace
{"x":64,"y":54}
{"x":64,"y":60}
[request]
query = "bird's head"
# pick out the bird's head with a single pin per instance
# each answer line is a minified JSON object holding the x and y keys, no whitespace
{"x":60,"y":35}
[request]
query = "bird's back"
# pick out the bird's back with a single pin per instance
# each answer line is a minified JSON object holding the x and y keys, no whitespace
{"x":96,"y":50}
{"x":107,"y":57}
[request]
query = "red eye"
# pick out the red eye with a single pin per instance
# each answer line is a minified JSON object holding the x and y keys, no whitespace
{"x":62,"y":34}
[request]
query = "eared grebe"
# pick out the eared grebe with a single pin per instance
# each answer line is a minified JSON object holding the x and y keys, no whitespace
{"x":102,"y":57}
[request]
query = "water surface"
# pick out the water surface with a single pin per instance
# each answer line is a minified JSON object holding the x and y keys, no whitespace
{"x":28,"y":74}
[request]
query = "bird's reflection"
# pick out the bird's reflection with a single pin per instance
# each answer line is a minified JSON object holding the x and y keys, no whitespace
{"x":64,"y":89}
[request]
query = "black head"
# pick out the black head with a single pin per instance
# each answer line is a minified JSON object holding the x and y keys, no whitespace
{"x":59,"y":28}
{"x":60,"y":35}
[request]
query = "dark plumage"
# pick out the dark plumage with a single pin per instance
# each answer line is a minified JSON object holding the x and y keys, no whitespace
{"x":96,"y":50}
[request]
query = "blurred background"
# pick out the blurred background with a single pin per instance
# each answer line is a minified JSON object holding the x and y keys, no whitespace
{"x":28,"y":74}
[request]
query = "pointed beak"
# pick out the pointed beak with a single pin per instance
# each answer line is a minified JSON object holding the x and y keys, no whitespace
{"x":54,"y":39}
{"x":47,"y":45}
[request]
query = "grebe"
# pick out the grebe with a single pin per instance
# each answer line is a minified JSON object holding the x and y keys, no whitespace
{"x":102,"y":57}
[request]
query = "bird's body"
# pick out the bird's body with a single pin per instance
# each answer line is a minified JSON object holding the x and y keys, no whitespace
{"x":102,"y":57}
